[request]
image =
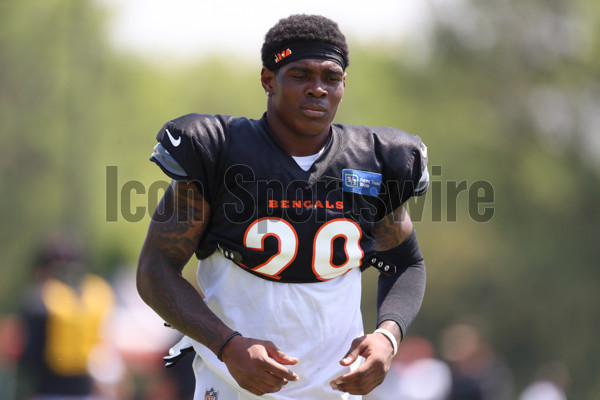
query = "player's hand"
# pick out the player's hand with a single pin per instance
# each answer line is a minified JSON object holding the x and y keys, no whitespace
{"x":378,"y":353}
{"x":258,"y":365}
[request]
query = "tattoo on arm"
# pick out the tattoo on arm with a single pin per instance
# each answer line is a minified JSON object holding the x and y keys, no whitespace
{"x":392,"y":230}
{"x":178,"y":223}
{"x":175,"y":231}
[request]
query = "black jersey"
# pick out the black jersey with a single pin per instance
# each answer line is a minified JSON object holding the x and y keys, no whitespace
{"x":278,"y":221}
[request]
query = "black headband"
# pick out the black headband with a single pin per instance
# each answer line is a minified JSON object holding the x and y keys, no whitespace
{"x":303,"y":50}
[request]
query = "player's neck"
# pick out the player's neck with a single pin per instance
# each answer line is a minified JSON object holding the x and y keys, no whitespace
{"x":302,"y":146}
{"x":298,"y":144}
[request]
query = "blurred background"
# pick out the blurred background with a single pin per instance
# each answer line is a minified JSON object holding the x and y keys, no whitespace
{"x":505,"y":93}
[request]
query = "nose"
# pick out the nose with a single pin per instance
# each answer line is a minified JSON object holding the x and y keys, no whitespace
{"x":316,"y":89}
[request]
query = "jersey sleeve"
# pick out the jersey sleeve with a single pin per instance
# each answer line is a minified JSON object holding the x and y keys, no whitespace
{"x":404,"y":158}
{"x":189,"y":148}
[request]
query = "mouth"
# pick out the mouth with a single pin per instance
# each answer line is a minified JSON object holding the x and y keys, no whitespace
{"x":314,"y":110}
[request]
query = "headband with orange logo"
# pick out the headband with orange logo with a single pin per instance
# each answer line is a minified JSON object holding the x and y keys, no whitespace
{"x":303,"y":50}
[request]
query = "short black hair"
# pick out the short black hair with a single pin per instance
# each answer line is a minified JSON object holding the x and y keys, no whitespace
{"x":303,"y":28}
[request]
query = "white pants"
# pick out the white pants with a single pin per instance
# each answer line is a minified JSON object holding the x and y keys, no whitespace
{"x":207,"y":381}
{"x":209,"y":384}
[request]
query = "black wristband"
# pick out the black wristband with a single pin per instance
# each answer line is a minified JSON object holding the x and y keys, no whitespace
{"x":227,"y":339}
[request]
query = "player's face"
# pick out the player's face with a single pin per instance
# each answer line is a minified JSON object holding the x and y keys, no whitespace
{"x":305,"y":95}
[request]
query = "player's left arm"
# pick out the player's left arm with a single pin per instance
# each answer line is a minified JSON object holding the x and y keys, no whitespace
{"x":399,"y":299}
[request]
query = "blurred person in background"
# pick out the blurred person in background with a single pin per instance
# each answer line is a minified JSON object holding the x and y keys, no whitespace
{"x":550,"y":384}
{"x":64,"y":310}
{"x":11,"y":348}
{"x":132,"y":333}
{"x":415,"y":374}
{"x":477,"y":372}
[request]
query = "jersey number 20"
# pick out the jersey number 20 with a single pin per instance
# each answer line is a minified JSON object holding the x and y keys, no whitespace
{"x":322,"y":257}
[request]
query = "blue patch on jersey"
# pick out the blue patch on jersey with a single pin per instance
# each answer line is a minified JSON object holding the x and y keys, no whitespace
{"x":362,"y":182}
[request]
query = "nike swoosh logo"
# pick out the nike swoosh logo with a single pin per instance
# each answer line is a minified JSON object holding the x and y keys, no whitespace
{"x":174,"y":142}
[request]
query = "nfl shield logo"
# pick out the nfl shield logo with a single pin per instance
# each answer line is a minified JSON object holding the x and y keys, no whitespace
{"x":211,"y":394}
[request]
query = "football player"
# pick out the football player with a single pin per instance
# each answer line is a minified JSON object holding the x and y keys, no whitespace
{"x":284,"y":213}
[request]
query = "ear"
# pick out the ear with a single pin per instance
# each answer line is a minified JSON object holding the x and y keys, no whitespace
{"x":267,"y":78}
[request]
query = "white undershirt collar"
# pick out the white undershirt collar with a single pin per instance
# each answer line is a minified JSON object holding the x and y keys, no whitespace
{"x":305,"y":162}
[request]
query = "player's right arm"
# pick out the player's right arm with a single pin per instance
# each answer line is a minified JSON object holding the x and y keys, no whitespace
{"x":173,"y":236}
